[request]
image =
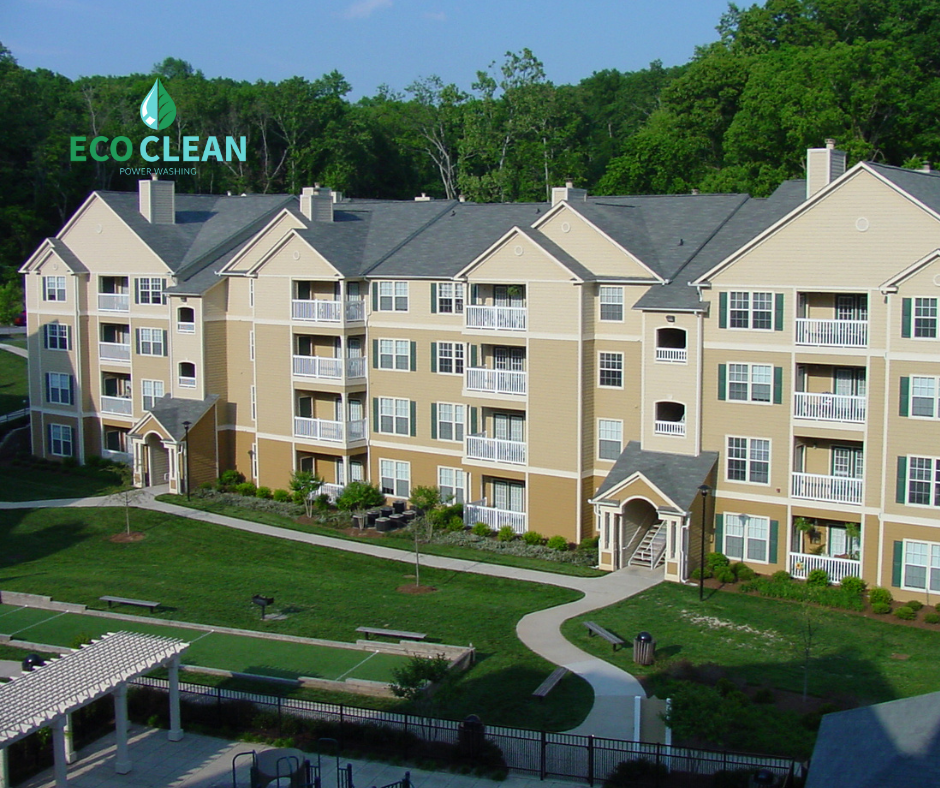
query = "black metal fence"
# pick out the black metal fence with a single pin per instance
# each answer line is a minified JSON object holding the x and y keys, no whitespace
{"x":591,"y":759}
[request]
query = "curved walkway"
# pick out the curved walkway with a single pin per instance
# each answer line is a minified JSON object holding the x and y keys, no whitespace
{"x":612,"y":713}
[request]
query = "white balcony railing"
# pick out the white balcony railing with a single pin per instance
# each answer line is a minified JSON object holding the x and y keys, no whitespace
{"x":673,"y":355}
{"x":496,"y":381}
{"x":332,"y":491}
{"x":479,"y":447}
{"x":121,"y":405}
{"x":479,"y":512}
{"x":801,"y":564}
{"x":495,"y":318}
{"x":187,"y":382}
{"x":125,"y":457}
{"x":832,"y":333}
{"x":186,"y":328}
{"x":829,"y":407}
{"x":669,"y":427}
{"x":114,"y":351}
{"x":114,"y":302}
{"x":830,"y":489}
{"x":327,"y":311}
{"x":329,"y":430}
{"x":329,"y":368}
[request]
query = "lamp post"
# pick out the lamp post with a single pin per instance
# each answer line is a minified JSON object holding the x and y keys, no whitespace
{"x":704,"y":490}
{"x":186,"y":426}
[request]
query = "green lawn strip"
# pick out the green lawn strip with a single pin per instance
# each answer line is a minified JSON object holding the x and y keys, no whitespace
{"x":13,"y":382}
{"x":397,"y":543}
{"x":206,"y":574}
{"x":35,"y":484}
{"x":69,"y":628}
{"x":19,"y":619}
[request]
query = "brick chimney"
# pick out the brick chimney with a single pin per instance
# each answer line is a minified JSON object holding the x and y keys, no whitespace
{"x":157,"y":201}
{"x":823,"y":166}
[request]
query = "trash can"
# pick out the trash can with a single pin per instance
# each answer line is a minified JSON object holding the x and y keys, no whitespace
{"x":31,"y":661}
{"x":470,"y":735}
{"x":644,"y":648}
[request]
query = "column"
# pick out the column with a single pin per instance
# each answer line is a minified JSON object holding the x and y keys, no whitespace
{"x":69,"y":740}
{"x":4,"y":768}
{"x":176,"y":730}
{"x":59,"y":752}
{"x":123,"y":763}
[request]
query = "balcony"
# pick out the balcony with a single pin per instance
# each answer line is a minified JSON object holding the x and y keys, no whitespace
{"x":114,"y":302}
{"x":122,"y":406}
{"x":125,"y":457}
{"x":801,"y":564}
{"x":829,"y":489}
{"x":672,"y":355}
{"x":329,"y":368}
{"x":479,"y":512}
{"x":114,"y":351}
{"x":829,"y":407}
{"x":186,"y":328}
{"x":479,"y":447}
{"x":495,"y":318}
{"x":186,"y":382}
{"x":328,"y":430}
{"x":831,"y":333}
{"x":330,"y":490}
{"x":496,"y":381}
{"x":323,"y":311}
{"x":669,"y":428}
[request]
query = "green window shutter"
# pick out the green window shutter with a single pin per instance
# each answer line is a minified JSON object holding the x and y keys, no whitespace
{"x":166,"y":347}
{"x":48,"y":388}
{"x":136,"y":291}
{"x":778,"y":385}
{"x":722,"y":310}
{"x":433,"y":421}
{"x":71,"y":390}
{"x":774,"y":532}
{"x":375,"y":354}
{"x":375,"y":414}
{"x":414,"y":356}
{"x":473,"y":355}
{"x":896,"y":562}
{"x":375,"y":296}
{"x":137,"y":336}
{"x":906,"y":319}
{"x":414,"y":418}
{"x":778,"y":312}
{"x":473,"y":421}
{"x":719,"y":532}
{"x":474,"y":294}
{"x":434,"y":357}
{"x":901,"y":490}
{"x":433,"y":298}
{"x":722,"y":381}
{"x":904,"y":404}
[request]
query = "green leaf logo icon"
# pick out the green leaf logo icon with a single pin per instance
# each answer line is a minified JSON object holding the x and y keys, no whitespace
{"x":157,"y":111}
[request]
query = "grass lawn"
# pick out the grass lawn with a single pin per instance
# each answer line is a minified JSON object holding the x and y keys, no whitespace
{"x":34,"y":484}
{"x":206,"y":574}
{"x":13,"y":382}
{"x":397,"y":542}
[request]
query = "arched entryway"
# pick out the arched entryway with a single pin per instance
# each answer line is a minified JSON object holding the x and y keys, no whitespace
{"x":156,"y":461}
{"x":639,"y":532}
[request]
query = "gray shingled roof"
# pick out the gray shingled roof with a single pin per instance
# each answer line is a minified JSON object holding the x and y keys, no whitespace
{"x":924,"y":186}
{"x":678,"y":476}
{"x":888,"y":745}
{"x":540,"y":239}
{"x":171,"y":412}
{"x":68,"y":256}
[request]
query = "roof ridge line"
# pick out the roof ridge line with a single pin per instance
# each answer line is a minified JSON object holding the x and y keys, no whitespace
{"x":448,"y":207}
{"x":746,"y":198}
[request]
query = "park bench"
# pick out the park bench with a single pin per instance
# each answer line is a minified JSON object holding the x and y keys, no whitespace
{"x":549,"y":684}
{"x":122,"y":600}
{"x":391,"y":633}
{"x":597,"y":629}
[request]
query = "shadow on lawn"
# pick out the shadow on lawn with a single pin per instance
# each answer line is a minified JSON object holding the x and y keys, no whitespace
{"x":33,"y":545}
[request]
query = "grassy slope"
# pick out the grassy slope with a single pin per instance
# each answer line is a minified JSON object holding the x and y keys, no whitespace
{"x":13,"y":382}
{"x":34,"y":484}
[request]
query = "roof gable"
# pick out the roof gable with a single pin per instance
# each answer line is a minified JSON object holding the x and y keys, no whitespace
{"x":523,"y":255}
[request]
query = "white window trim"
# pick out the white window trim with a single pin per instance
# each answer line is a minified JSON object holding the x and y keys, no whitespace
{"x":466,"y":483}
{"x":139,"y":290}
{"x":56,"y":289}
{"x":750,"y":310}
{"x":601,"y":303}
{"x":60,"y":326}
{"x":612,"y":421}
{"x":394,"y":416}
{"x":393,"y":286}
{"x":70,"y":441}
{"x":748,"y":460}
{"x":750,"y":382}
{"x":458,"y":296}
{"x":936,"y":319}
{"x":935,"y":462}
{"x":395,"y":467}
{"x":154,"y":397}
{"x":454,"y":422}
{"x":930,"y":546}
{"x":67,"y":389}
{"x":395,"y":354}
{"x":744,"y":556}
{"x":600,"y":369}
{"x":140,"y":342}
{"x":935,"y":397}
{"x":452,"y":357}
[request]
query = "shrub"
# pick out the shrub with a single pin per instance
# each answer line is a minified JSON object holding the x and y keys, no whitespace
{"x":697,"y":574}
{"x":455,"y":523}
{"x":743,"y":572}
{"x":915,"y":605}
{"x":506,"y":534}
{"x":359,"y":495}
{"x":558,"y":543}
{"x":880,"y":607}
{"x":305,"y":482}
{"x":817,"y":578}
{"x":425,"y":498}
{"x":715,"y":560}
{"x":765,"y":695}
{"x":481,"y":529}
{"x":905,"y":613}
{"x":229,"y":479}
{"x":725,"y":574}
{"x":263,"y":492}
{"x":635,"y":772}
{"x":298,"y":497}
{"x":854,"y":584}
{"x":781,"y":576}
{"x":247,"y":489}
{"x":932,"y":618}
{"x":589,"y":543}
{"x":880,"y":595}
{"x":532,"y":537}
{"x":281,"y":495}
{"x":444,"y":515}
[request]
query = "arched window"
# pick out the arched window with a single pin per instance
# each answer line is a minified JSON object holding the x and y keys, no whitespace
{"x":670,"y":418}
{"x":671,"y":345}
{"x":186,"y":320}
{"x":187,"y":377}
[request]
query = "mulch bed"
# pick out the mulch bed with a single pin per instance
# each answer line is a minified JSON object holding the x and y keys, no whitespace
{"x":413,"y":589}
{"x":124,"y":538}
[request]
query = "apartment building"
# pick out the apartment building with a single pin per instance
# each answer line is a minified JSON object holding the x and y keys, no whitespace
{"x":579,"y":368}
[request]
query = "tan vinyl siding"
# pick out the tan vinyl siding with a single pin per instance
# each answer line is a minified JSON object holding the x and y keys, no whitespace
{"x":552,"y":423}
{"x":274,"y":387}
{"x":553,"y":505}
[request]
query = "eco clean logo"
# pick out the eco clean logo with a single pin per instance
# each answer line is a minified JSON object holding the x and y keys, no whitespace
{"x":157,"y":111}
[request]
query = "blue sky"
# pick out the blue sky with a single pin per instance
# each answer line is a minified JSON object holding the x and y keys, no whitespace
{"x":370,"y":42}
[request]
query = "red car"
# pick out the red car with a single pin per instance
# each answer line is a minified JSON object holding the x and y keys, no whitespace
{"x":20,"y":319}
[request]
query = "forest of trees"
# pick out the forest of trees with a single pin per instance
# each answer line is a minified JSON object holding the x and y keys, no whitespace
{"x":781,"y":77}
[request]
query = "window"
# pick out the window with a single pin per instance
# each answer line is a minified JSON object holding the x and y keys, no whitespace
{"x":750,"y":382}
{"x":450,"y":358}
{"x":508,"y":496}
{"x":749,"y":460}
{"x":57,"y":337}
{"x":611,"y":369}
{"x":923,"y":481}
{"x":395,"y":478}
{"x":393,"y":296}
{"x":450,"y":422}
{"x":115,"y":439}
{"x":251,"y":292}
{"x":251,"y":345}
{"x":611,"y":300}
{"x":58,"y":388}
{"x":924,"y":394}
{"x":746,"y":538}
{"x":921,"y":568}
{"x":394,"y":416}
{"x":609,"y":438}
{"x":53,"y":288}
{"x":925,"y":318}
{"x":60,"y":440}
{"x":152,"y":390}
{"x":848,"y":462}
{"x":187,"y":376}
{"x":149,"y":290}
{"x":151,"y":342}
{"x":449,"y":298}
{"x":751,"y":310}
{"x":452,"y":482}
{"x":394,"y":354}
{"x":254,"y":404}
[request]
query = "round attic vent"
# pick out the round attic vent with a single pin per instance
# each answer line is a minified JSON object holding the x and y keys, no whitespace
{"x":936,"y":280}
{"x":518,"y":251}
{"x":296,"y":254}
{"x":98,"y":228}
{"x":565,"y":227}
{"x":861,"y":224}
